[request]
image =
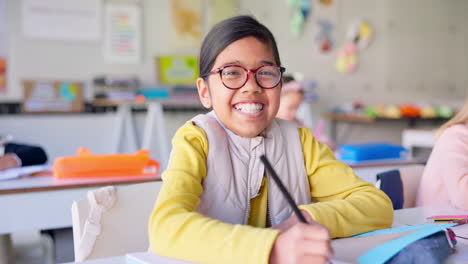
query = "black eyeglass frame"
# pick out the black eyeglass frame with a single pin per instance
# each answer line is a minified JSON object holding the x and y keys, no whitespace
{"x":254,"y":71}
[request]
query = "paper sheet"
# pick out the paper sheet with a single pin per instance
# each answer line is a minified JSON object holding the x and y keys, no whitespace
{"x":22,"y":171}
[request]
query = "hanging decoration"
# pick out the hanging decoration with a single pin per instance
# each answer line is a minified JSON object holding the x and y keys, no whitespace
{"x":301,"y":11}
{"x":358,"y":36}
{"x":324,"y":36}
{"x":326,"y":2}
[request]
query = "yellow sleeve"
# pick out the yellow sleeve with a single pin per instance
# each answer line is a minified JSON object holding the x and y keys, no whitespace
{"x":177,"y":230}
{"x":343,"y":202}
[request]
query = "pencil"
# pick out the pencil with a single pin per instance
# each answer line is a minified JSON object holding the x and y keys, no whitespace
{"x":278,"y":182}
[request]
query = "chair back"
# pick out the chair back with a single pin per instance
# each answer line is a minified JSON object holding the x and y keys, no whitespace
{"x":120,"y":229}
{"x":401,"y":185}
{"x":411,"y":177}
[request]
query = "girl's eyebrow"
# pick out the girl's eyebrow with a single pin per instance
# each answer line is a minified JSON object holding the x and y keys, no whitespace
{"x":231,"y":63}
{"x":267,"y":62}
{"x":239,"y":63}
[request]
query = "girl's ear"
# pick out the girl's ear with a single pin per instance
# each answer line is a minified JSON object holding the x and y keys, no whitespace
{"x":204,"y":93}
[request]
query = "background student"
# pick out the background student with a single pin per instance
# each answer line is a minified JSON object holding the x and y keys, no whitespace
{"x":217,"y":205}
{"x":14,"y":155}
{"x":445,"y":178}
{"x":292,"y":95}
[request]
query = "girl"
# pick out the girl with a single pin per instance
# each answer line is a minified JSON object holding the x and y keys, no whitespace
{"x":217,"y":204}
{"x":445,"y":178}
{"x":292,"y":95}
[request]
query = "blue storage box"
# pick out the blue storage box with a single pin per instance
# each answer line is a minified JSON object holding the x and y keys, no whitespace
{"x":370,"y":151}
{"x":154,"y":93}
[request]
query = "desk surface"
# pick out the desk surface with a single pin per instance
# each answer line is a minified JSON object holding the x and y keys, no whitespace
{"x":412,"y":216}
{"x":48,"y":200}
{"x":49,"y":183}
{"x":385,"y":163}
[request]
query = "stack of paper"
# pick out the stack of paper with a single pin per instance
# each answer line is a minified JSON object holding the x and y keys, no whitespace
{"x":22,"y":171}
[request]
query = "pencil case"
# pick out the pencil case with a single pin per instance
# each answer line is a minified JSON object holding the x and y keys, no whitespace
{"x":87,"y":165}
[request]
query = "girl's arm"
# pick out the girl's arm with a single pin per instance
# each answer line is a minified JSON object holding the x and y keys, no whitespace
{"x":343,"y":202}
{"x":449,"y":160}
{"x":177,"y":230}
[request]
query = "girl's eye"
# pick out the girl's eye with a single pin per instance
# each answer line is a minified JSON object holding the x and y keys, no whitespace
{"x":267,"y":73}
{"x":230,"y":72}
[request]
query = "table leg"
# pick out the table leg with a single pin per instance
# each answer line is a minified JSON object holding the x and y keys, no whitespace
{"x":6,"y":250}
{"x":124,"y":125}
{"x":155,"y":127}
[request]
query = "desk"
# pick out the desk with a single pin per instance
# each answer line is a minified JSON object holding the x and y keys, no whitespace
{"x":111,"y":260}
{"x":411,"y":216}
{"x":43,"y":202}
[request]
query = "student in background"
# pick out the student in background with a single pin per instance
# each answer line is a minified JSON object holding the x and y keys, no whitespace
{"x":217,"y":204}
{"x":14,"y":155}
{"x":445,"y":178}
{"x":292,"y":95}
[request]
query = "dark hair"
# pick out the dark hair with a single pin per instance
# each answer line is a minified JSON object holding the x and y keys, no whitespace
{"x":228,"y":31}
{"x":288,"y":78}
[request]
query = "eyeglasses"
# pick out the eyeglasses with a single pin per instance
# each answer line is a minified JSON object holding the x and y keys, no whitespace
{"x":235,"y":76}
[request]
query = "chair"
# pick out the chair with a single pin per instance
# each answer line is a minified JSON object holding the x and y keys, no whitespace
{"x":401,"y":185}
{"x":116,"y":228}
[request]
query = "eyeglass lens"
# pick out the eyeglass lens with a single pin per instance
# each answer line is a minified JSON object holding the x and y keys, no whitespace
{"x":234,"y":77}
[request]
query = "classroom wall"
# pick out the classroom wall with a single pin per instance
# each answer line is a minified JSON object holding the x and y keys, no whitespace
{"x":79,"y":60}
{"x":419,"y":52}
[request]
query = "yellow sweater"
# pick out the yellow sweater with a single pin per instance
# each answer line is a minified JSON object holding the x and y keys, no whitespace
{"x":343,"y":202}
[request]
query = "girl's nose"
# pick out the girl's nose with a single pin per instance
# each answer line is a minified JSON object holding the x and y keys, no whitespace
{"x":251,"y":85}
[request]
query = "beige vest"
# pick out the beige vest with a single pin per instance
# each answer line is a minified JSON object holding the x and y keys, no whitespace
{"x":235,"y":172}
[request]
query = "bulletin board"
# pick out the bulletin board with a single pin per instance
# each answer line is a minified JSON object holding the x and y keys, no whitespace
{"x":52,"y":96}
{"x":177,"y":69}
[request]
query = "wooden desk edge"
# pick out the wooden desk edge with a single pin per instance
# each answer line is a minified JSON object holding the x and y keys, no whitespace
{"x":387,"y":164}
{"x":76,"y":186}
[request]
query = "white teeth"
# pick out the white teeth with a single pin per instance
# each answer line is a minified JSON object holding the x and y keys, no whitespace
{"x":249,"y":108}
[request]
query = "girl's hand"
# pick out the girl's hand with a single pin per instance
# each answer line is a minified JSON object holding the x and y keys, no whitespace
{"x":302,"y":243}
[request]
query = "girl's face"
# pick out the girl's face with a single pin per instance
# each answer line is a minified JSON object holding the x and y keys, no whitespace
{"x":289,"y":104}
{"x":249,"y":110}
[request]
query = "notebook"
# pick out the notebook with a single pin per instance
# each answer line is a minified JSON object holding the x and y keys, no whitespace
{"x":151,"y":258}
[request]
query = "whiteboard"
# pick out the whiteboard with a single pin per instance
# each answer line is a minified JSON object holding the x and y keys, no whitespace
{"x":61,"y":19}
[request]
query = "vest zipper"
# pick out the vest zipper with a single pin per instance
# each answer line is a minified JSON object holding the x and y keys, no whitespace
{"x":268,"y":203}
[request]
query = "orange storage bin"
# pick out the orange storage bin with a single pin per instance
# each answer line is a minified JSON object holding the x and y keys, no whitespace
{"x":87,"y":165}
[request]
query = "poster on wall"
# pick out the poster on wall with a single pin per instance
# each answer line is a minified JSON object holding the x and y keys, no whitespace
{"x":177,"y":69}
{"x":186,"y":18}
{"x":3,"y":46}
{"x":122,"y":33}
{"x":61,"y":19}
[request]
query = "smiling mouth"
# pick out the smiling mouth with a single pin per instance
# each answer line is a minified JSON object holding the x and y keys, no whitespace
{"x":249,"y":108}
